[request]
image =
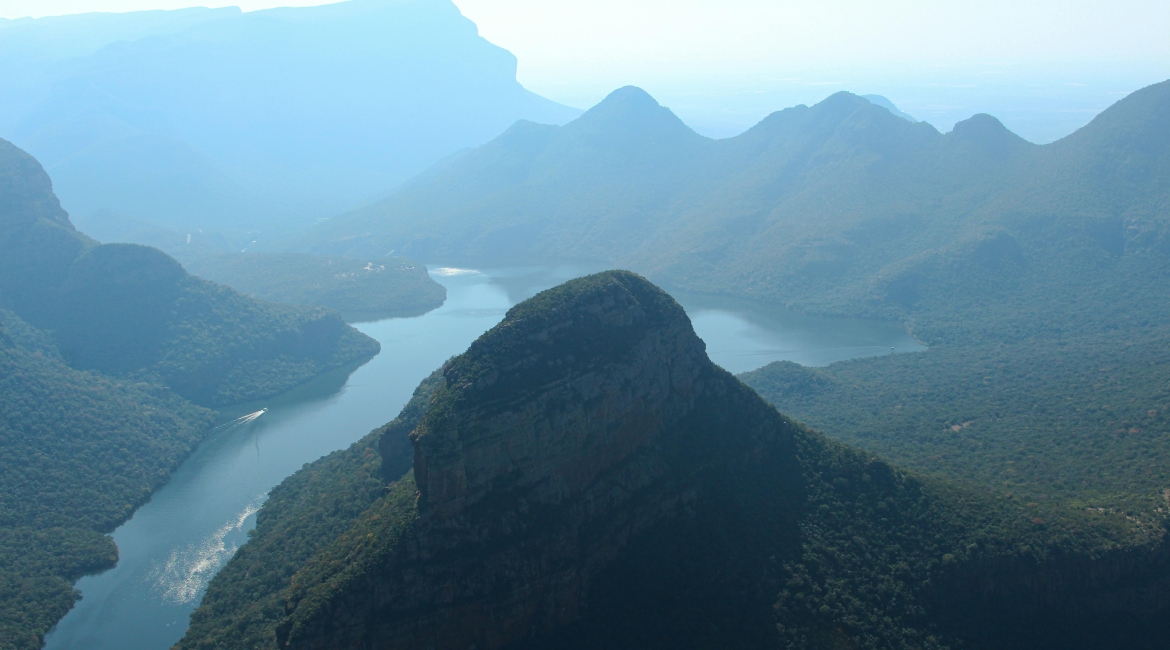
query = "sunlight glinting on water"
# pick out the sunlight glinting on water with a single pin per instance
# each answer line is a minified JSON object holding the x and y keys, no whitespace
{"x":450,"y":271}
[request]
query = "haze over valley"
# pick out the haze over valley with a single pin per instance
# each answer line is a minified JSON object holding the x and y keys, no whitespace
{"x":319,"y":328}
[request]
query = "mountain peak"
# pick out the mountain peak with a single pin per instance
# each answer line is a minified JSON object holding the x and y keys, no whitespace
{"x":983,"y":131}
{"x":979,"y":125}
{"x":845,"y":107}
{"x":630,"y":110}
{"x":842,"y":99}
{"x":581,"y":419}
{"x":576,"y":337}
{"x":629,"y":97}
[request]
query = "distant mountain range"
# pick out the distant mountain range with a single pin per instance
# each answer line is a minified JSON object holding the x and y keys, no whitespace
{"x":841,"y":207}
{"x":246,"y":122}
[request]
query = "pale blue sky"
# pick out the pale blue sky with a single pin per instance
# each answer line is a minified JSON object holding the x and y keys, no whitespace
{"x":729,"y":62}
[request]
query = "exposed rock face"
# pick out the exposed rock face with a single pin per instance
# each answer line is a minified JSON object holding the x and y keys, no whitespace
{"x":539,"y":458}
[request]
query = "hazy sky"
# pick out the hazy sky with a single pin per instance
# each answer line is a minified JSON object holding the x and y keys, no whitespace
{"x":733,"y":60}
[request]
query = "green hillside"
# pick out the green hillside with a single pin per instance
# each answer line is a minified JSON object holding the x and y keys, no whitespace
{"x":1048,"y":334}
{"x":105,"y":350}
{"x":78,"y":453}
{"x":132,"y":311}
{"x":584,"y":477}
{"x":360,"y":290}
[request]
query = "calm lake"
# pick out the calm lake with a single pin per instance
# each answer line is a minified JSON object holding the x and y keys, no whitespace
{"x":176,"y":543}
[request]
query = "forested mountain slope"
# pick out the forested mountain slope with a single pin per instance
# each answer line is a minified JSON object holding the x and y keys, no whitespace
{"x":836,"y":208}
{"x":78,"y":452}
{"x":130,"y":310}
{"x":250,"y":122}
{"x":1048,"y":377}
{"x":583,"y":476}
{"x":103,"y":349}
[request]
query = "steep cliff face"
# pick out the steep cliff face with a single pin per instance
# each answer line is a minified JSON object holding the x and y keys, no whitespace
{"x":581,"y":421}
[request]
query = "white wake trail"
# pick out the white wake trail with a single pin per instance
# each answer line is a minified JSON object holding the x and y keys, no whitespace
{"x":186,"y":572}
{"x":242,"y":420}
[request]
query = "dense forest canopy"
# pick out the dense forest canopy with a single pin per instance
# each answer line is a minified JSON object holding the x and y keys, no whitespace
{"x":78,"y":453}
{"x":1037,"y":274}
{"x":1047,"y":377}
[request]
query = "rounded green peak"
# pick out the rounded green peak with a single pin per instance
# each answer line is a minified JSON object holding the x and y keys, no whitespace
{"x":1139,"y":122}
{"x":578,"y":326}
{"x":127,"y":264}
{"x":577,"y":292}
{"x":842,"y":100}
{"x":986,"y":133}
{"x":979,"y":125}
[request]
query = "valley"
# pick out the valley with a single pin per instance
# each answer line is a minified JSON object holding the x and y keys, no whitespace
{"x":319,"y":330}
{"x":178,"y":541}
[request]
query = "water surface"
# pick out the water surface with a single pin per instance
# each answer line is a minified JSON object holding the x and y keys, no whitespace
{"x":176,"y":543}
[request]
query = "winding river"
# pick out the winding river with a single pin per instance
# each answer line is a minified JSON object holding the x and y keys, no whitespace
{"x":176,"y":543}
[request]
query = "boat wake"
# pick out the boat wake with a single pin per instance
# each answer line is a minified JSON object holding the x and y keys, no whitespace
{"x":242,"y":420}
{"x":184,"y":575}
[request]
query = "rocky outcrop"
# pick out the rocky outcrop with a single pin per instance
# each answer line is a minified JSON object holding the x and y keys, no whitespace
{"x":579,"y":422}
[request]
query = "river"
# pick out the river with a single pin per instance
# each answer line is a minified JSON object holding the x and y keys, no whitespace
{"x":174,"y":544}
